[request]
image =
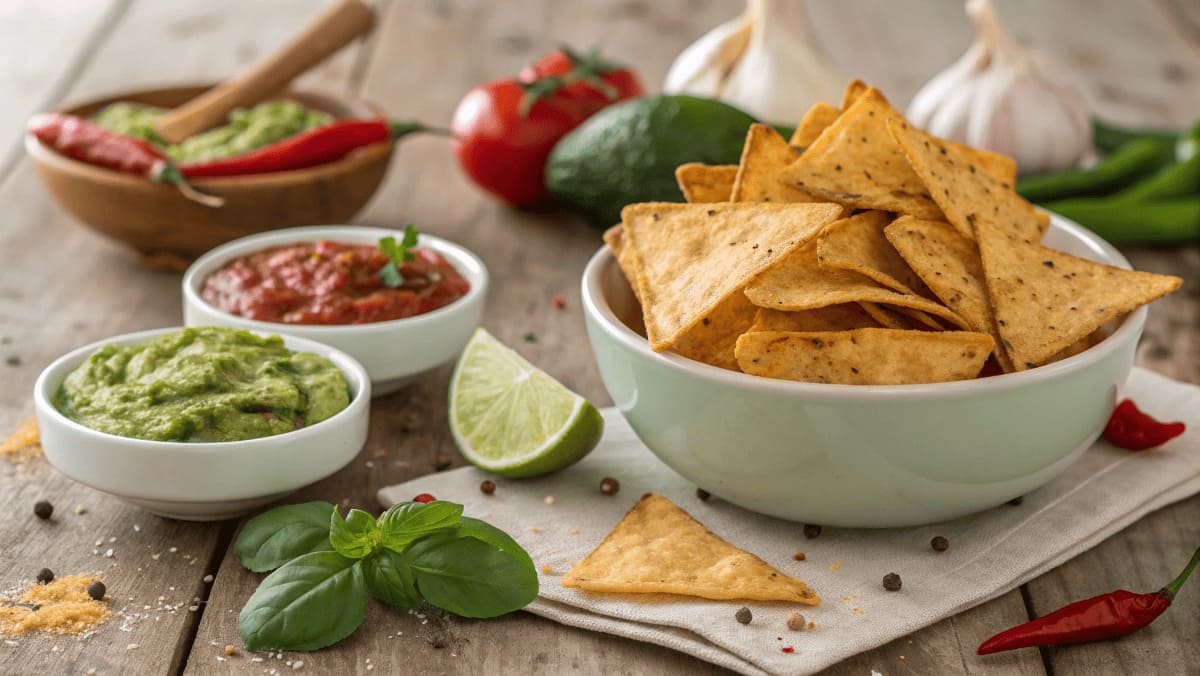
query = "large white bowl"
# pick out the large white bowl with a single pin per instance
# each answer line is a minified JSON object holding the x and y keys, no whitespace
{"x":850,"y":455}
{"x":394,"y":352}
{"x":201,"y":481}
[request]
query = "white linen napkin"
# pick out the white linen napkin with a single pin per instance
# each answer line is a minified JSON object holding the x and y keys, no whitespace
{"x":990,"y":552}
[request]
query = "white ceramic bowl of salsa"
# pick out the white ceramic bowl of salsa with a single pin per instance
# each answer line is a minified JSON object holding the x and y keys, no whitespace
{"x":394,"y":352}
{"x":201,"y":481}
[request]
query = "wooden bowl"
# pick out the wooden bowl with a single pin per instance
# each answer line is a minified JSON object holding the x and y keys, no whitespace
{"x":168,"y":230}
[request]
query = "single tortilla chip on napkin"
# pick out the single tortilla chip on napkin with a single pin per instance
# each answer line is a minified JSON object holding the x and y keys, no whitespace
{"x":844,"y":317}
{"x":962,"y":188}
{"x":859,"y":245}
{"x":949,"y":264}
{"x":764,"y":155}
{"x":706,"y":182}
{"x":865,"y":356}
{"x":799,"y":283}
{"x":818,"y":117}
{"x":1046,"y":300}
{"x":692,"y":257}
{"x":660,"y":549}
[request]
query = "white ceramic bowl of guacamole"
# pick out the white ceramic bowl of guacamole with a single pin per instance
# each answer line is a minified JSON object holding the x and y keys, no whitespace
{"x":394,"y":352}
{"x":201,"y":481}
{"x":858,"y":455}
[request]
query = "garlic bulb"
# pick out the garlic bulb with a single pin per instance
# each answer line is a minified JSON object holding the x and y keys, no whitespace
{"x":1004,"y":97}
{"x":763,"y":62}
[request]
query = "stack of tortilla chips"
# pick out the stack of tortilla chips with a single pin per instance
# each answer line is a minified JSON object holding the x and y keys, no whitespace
{"x":864,"y":251}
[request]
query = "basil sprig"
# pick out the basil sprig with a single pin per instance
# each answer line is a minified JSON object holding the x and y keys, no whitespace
{"x":325,"y":565}
{"x":397,"y":253}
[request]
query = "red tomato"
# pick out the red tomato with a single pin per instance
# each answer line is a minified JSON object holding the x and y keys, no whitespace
{"x":504,"y":149}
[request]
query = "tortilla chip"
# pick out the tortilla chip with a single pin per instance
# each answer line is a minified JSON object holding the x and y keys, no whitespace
{"x":799,"y":283}
{"x":859,"y":245}
{"x":711,"y":340}
{"x":963,"y":191}
{"x":26,"y":435}
{"x":694,"y":256}
{"x":820,"y":116}
{"x":702,"y":183}
{"x":854,"y":91}
{"x":660,"y":549}
{"x":626,"y":257}
{"x":764,"y":155}
{"x":865,"y":356}
{"x":949,"y":264}
{"x":885,"y":316}
{"x":1045,"y":300}
{"x":854,"y":162}
{"x":845,"y":317}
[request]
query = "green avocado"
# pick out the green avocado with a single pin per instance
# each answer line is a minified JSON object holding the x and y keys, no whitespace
{"x":628,"y":152}
{"x":200,"y":385}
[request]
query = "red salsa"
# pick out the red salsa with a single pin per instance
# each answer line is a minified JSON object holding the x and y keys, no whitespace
{"x":326,"y":282}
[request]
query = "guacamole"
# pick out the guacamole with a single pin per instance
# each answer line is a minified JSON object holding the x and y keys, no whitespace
{"x":202,"y":384}
{"x":248,"y":129}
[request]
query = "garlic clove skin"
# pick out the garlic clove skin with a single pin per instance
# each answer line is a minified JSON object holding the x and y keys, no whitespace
{"x":766,"y":65}
{"x":1008,"y":99}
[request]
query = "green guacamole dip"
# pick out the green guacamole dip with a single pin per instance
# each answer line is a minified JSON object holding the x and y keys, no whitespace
{"x":247,"y":130}
{"x":202,"y":384}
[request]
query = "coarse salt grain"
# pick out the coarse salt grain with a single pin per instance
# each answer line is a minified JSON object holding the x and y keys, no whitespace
{"x":549,"y":500}
{"x":109,"y":552}
{"x":173,"y":549}
{"x":208,"y":579}
{"x":131,"y":646}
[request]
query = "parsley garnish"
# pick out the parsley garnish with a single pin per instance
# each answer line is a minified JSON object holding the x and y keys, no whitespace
{"x":397,"y":254}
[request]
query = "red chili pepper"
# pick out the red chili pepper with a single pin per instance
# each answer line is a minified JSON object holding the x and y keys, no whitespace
{"x":316,"y":146}
{"x":1129,"y":428}
{"x":424,"y":497}
{"x":86,"y":141}
{"x":559,"y":302}
{"x":1101,"y":617}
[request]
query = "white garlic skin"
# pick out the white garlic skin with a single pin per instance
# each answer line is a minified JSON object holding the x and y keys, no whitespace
{"x":1003,"y":97}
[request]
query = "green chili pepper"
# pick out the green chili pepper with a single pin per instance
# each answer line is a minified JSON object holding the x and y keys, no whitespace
{"x":1107,"y":137}
{"x":1131,"y":161}
{"x":1174,"y":180}
{"x":1124,"y":222}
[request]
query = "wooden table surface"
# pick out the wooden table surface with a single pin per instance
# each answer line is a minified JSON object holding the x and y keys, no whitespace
{"x":62,"y":286}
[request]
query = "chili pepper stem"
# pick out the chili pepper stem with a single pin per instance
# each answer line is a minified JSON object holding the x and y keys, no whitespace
{"x":169,"y":173}
{"x":1173,"y":586}
{"x":402,"y":128}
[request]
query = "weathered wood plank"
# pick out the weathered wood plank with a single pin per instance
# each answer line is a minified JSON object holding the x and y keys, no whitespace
{"x":64,"y":286}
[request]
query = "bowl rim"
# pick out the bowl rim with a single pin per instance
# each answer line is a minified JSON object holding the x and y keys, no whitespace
{"x":597,"y":309}
{"x":43,"y":153}
{"x":58,"y":369}
{"x":464,"y":260}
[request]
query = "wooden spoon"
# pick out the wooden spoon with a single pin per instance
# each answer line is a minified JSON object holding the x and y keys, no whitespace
{"x":333,"y":29}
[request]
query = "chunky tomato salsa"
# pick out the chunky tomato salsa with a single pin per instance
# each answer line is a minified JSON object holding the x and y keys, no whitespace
{"x":326,"y":282}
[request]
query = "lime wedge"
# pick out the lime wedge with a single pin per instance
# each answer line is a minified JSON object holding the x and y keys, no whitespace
{"x":510,"y":418}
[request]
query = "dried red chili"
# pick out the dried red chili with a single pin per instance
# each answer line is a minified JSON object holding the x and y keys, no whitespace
{"x":1130,"y":428}
{"x":1101,"y":617}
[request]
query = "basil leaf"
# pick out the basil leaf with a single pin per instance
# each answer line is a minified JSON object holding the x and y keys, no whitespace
{"x":405,"y":522}
{"x":471,"y":577}
{"x":482,"y":530}
{"x":277,"y":536}
{"x":355,"y":537}
{"x":309,"y":603}
{"x":390,"y":580}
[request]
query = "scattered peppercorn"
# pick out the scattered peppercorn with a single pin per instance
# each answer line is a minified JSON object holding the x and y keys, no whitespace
{"x":703,"y":494}
{"x":559,"y":302}
{"x":441,"y":462}
{"x":609,"y":486}
{"x":811,"y":530}
{"x":45,"y":576}
{"x":1017,"y":500}
{"x":891,"y":582}
{"x":12,"y":360}
{"x":230,"y":650}
{"x":424,"y":497}
{"x":795,"y":622}
{"x":43,"y":509}
{"x":487,"y":487}
{"x":97,"y":590}
{"x":939,"y":544}
{"x":743,"y":615}
{"x":799,"y":556}
{"x":531,"y":337}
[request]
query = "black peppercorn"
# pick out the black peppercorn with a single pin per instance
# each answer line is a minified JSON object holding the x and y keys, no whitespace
{"x":703,"y":494}
{"x":609,"y":486}
{"x":97,"y":590}
{"x":43,"y":509}
{"x":743,"y":615}
{"x":939,"y":544}
{"x":45,"y":576}
{"x":487,"y":487}
{"x":811,"y":530}
{"x":891,"y":582}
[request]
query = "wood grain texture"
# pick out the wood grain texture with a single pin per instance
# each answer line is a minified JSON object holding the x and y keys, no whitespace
{"x":1135,"y":63}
